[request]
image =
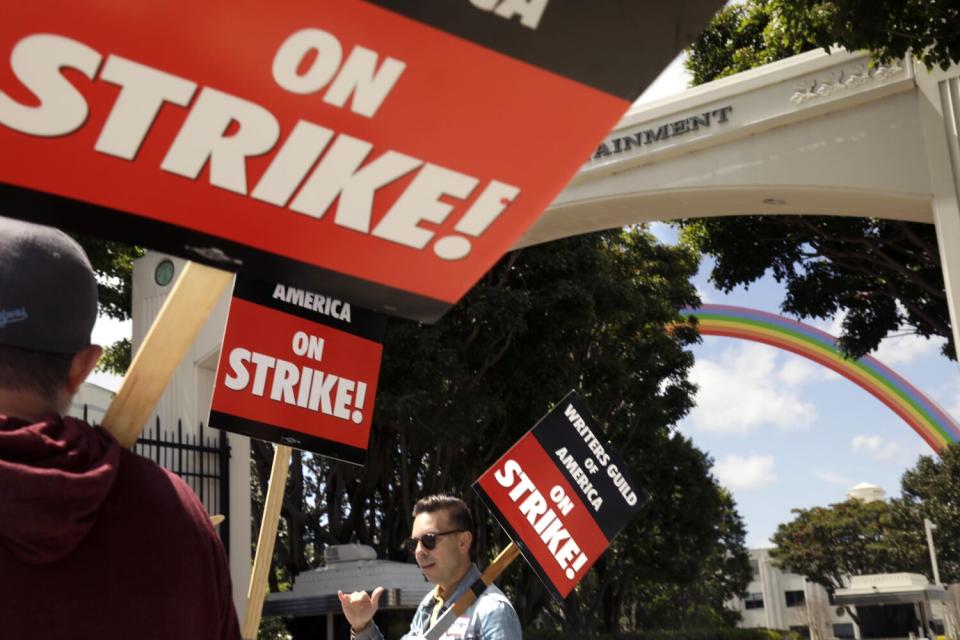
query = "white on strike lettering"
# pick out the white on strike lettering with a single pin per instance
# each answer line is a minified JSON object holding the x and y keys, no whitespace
{"x":238,"y":378}
{"x":143,"y":92}
{"x":36,"y":61}
{"x":307,"y":345}
{"x":295,"y":49}
{"x":292,"y":163}
{"x":340,"y":174}
{"x":295,"y":385}
{"x":358,"y":77}
{"x":312,"y":169}
{"x":203,"y":137}
{"x":544,"y":519}
{"x":421,"y":202}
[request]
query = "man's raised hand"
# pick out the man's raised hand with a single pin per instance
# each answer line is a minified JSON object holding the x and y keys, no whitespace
{"x":359,"y":607}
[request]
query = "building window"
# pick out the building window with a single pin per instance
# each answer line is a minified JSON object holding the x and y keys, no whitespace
{"x":753,"y":601}
{"x":804,"y":631}
{"x":843,"y":631}
{"x":794,"y":598}
{"x":163,"y":274}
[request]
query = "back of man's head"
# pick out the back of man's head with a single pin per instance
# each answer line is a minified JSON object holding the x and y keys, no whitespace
{"x":48,"y":306}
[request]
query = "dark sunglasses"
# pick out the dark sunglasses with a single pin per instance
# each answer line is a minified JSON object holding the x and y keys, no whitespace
{"x":429,"y":540}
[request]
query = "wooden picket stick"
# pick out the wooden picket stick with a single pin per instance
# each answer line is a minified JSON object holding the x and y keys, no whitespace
{"x":266,"y":541}
{"x":184,"y":312}
{"x":501,"y":562}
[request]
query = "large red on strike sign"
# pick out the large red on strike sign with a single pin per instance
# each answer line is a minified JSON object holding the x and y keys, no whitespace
{"x":562,"y":494}
{"x":388,"y":152}
{"x":300,"y":368}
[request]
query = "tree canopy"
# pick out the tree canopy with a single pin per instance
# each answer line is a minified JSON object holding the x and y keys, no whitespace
{"x":885,"y":275}
{"x":588,"y":313}
{"x":931,"y":490}
{"x":830,"y":544}
{"x":757,"y":32}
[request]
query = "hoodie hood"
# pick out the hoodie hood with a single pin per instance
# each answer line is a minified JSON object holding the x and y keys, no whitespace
{"x":55,"y":474}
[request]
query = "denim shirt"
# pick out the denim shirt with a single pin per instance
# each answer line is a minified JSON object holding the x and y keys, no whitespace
{"x":491,"y":617}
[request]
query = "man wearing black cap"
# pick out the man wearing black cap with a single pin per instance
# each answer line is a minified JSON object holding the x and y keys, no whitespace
{"x":95,"y":541}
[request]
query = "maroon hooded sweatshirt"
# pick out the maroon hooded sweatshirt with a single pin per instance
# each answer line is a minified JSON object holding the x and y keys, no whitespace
{"x":98,"y":542}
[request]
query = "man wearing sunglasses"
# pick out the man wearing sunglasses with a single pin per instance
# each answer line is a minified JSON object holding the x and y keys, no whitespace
{"x":440,"y":542}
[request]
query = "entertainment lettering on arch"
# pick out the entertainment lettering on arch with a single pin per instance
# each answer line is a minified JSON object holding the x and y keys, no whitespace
{"x":392,"y":150}
{"x":562,"y":494}
{"x":300,"y":368}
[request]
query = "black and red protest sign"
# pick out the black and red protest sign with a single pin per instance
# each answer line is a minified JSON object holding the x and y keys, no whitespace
{"x":387,"y":151}
{"x":562,"y":494}
{"x":298,"y":367}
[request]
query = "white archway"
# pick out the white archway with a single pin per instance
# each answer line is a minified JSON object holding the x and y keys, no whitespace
{"x":812,"y":134}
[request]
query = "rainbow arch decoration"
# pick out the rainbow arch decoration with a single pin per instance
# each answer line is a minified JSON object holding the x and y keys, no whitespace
{"x":932,"y":423}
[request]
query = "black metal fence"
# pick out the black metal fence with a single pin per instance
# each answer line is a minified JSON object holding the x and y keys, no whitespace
{"x":203,"y":463}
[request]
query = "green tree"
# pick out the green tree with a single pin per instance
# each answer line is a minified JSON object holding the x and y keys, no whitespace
{"x":888,"y":28}
{"x":741,"y":37}
{"x":667,"y":601}
{"x":931,"y":490}
{"x":113,"y":264}
{"x":830,"y":544}
{"x":885,"y":274}
{"x":586,"y":312}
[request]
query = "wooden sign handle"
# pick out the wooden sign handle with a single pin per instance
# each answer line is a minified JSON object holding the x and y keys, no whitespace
{"x":499,"y":564}
{"x":266,"y":541}
{"x":184,"y":312}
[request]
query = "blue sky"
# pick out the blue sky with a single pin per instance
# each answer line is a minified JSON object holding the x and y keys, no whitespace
{"x":783,"y":431}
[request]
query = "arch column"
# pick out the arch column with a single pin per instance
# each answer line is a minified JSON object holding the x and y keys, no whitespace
{"x":939,"y":110}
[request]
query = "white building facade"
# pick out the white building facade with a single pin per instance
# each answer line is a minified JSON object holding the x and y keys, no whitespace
{"x":778,"y":599}
{"x":781,"y":600}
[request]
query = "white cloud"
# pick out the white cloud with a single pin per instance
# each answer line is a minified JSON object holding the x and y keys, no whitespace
{"x":745,"y":389}
{"x":901,"y":349}
{"x":832,"y":478}
{"x":745,"y":472}
{"x":830,"y":375}
{"x":954,"y":407}
{"x":705,"y":297}
{"x":905,"y":349}
{"x":947,"y":395}
{"x":833,"y":325}
{"x":796,"y":372}
{"x":874,"y":447}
